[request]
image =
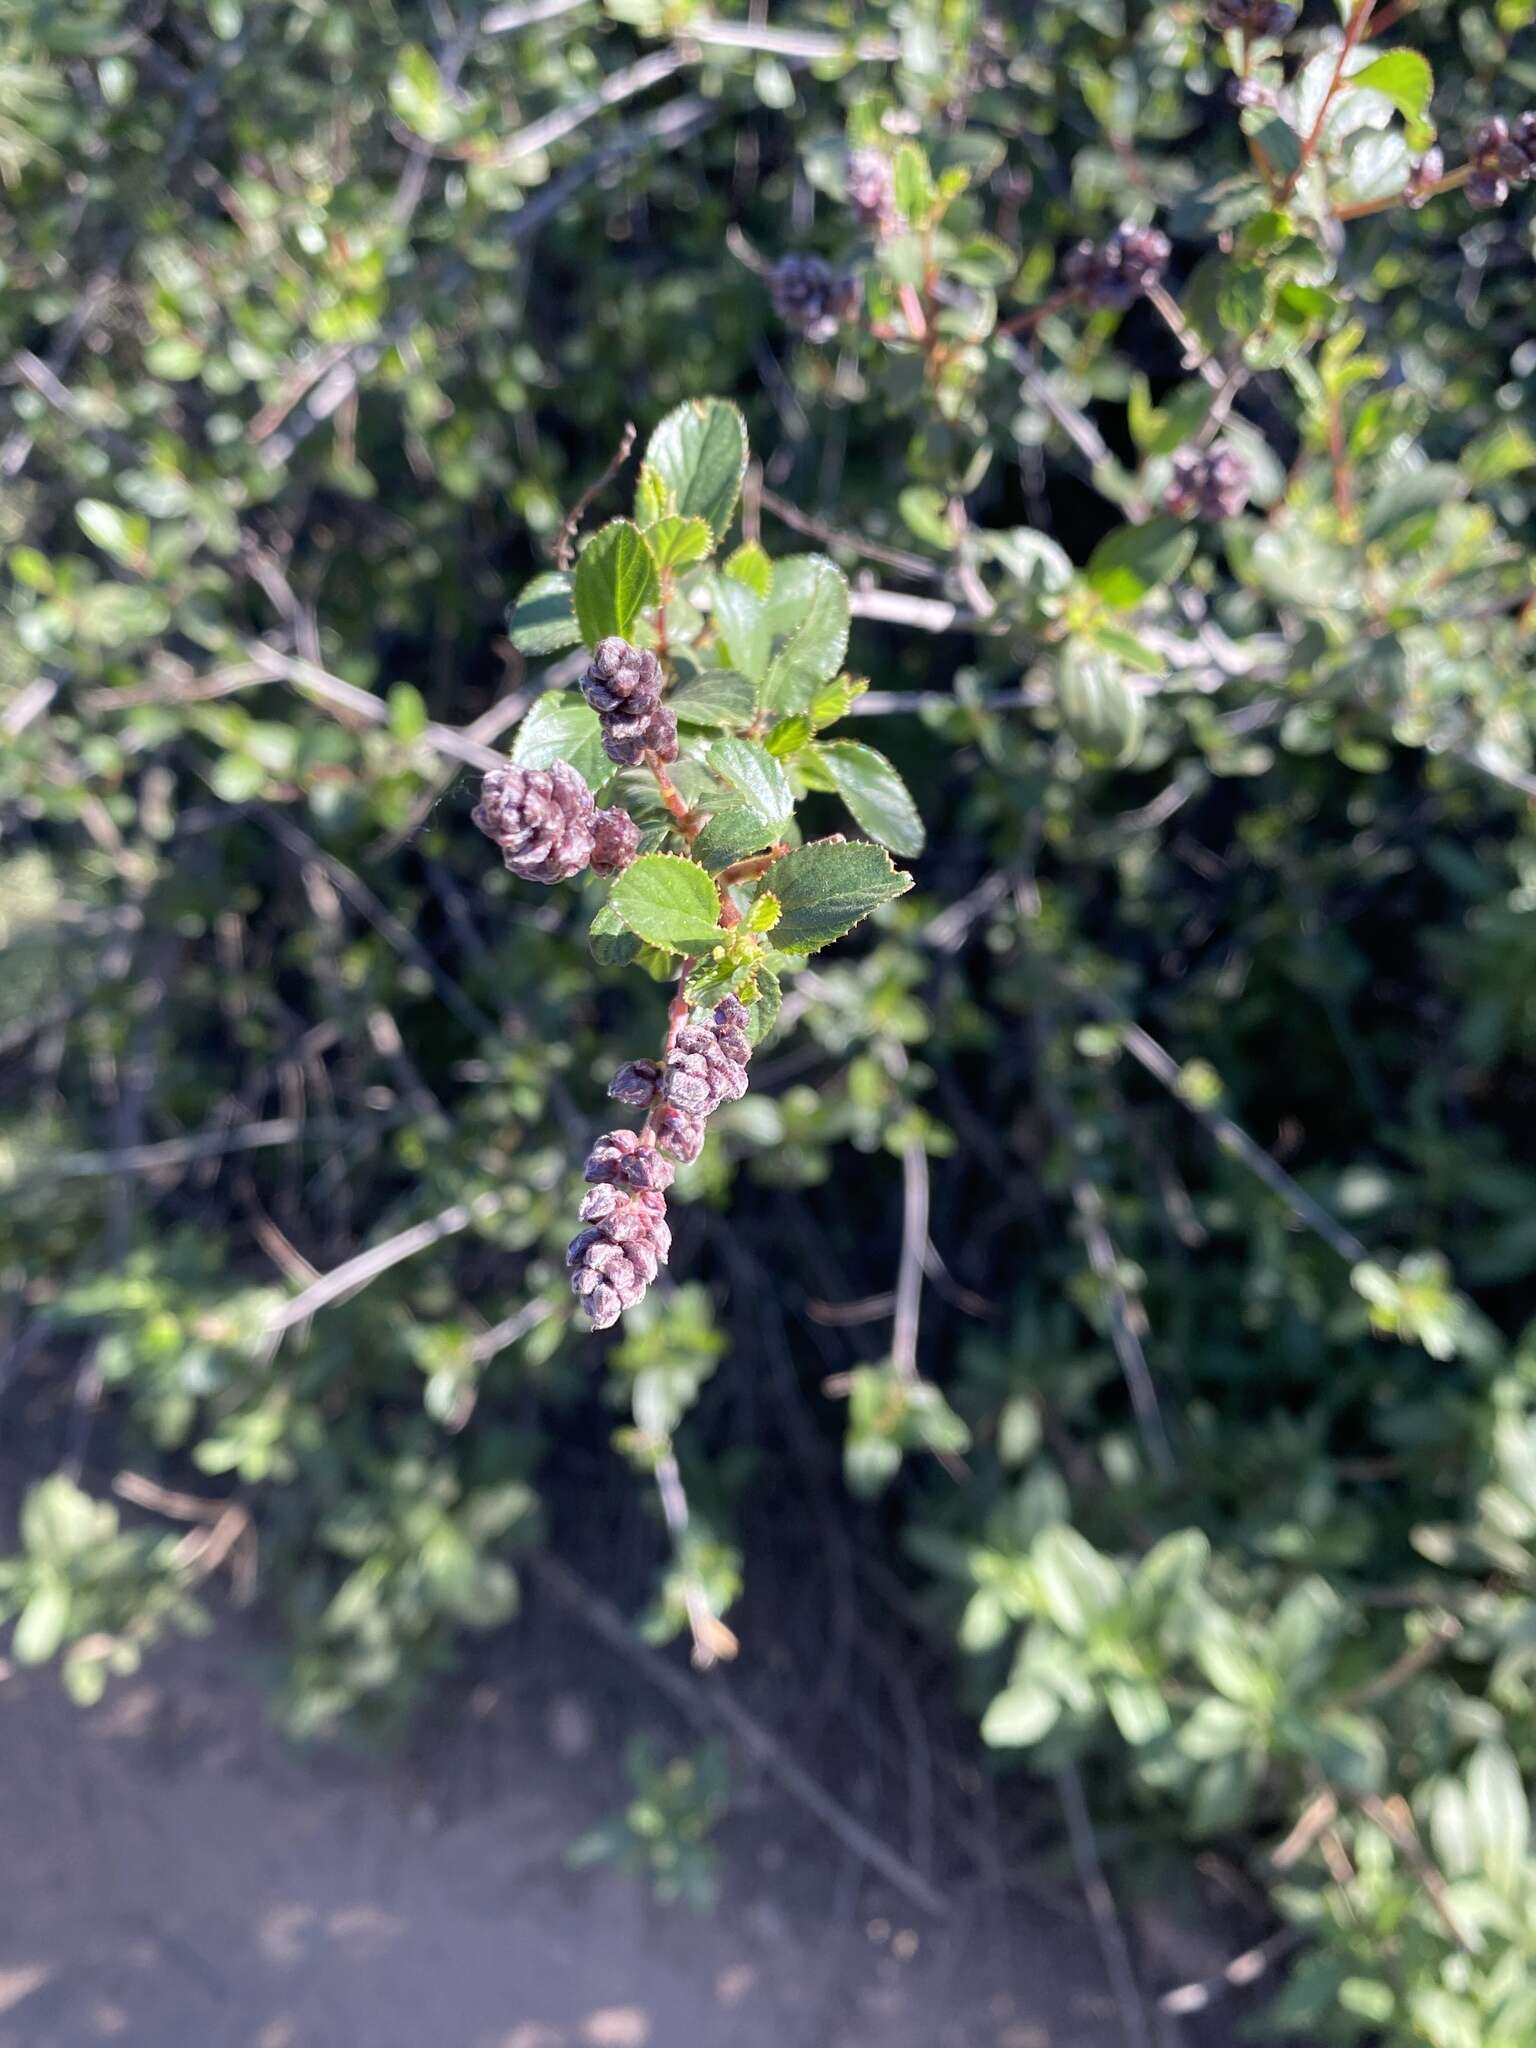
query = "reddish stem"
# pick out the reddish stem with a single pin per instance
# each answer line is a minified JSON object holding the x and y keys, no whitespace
{"x":1449,"y":183}
{"x":1354,"y":30}
{"x":912,"y":312}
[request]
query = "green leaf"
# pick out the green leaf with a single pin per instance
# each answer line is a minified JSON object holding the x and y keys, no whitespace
{"x":1134,"y":560}
{"x":875,"y":793}
{"x":1077,"y":1583}
{"x":562,"y":726}
{"x":122,"y":535}
{"x":913,"y":184}
{"x":788,"y":736}
{"x":983,"y":260}
{"x":1020,"y":1716}
{"x":717,"y":696}
{"x":1405,"y":78}
{"x":675,"y":540}
{"x":749,"y":564}
{"x":1099,"y":708}
{"x":742,"y":618}
{"x":613,"y":943}
{"x":43,"y":1624}
{"x":653,"y":500}
{"x":417,"y":93}
{"x":1499,"y":1812}
{"x":764,"y":1013}
{"x":700,"y":452}
{"x":616,"y":581}
{"x":543,"y":618}
{"x":817,"y":640}
{"x":668,"y":902}
{"x":734,"y":831}
{"x":1139,"y":1710}
{"x":407,"y":711}
{"x":825,"y":889}
{"x":756,"y":777}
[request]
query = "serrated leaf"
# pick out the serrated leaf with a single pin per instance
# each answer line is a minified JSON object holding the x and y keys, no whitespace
{"x":700,"y":451}
{"x":676,"y":540}
{"x":1134,"y":560}
{"x":613,"y":943}
{"x":653,"y":500}
{"x":756,"y":777}
{"x":749,"y":564}
{"x":669,"y":902}
{"x":615,"y":581}
{"x":825,"y":889}
{"x":875,"y":793}
{"x":562,"y":726}
{"x":543,"y":618}
{"x":815,"y":642}
{"x":1099,"y":708}
{"x":764,"y":1013}
{"x":741,"y":617}
{"x":717,"y":696}
{"x":733,"y":832}
{"x":788,"y":736}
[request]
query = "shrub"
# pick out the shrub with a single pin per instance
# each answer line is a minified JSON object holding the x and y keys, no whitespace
{"x":1135,"y":396}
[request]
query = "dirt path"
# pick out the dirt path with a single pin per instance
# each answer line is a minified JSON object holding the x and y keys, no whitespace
{"x":173,"y":1876}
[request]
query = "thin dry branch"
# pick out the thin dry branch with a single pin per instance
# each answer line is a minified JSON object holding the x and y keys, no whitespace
{"x":357,"y":1273}
{"x":704,"y":1701}
{"x":1113,"y":1945}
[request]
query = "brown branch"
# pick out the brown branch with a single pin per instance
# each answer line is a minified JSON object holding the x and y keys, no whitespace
{"x":565,"y":544}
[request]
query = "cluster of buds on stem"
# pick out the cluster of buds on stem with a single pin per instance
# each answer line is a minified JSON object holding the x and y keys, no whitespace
{"x":626,"y":1239}
{"x":1501,"y":154}
{"x":1113,"y":274}
{"x":623,"y":685}
{"x":548,"y":826}
{"x":811,"y":297}
{"x":616,"y":1257}
{"x":1208,"y":483}
{"x":1253,"y":18}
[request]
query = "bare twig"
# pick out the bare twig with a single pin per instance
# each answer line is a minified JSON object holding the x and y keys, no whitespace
{"x":617,"y":87}
{"x":703,"y":1701}
{"x":909,"y":1272}
{"x":356,"y":1273}
{"x":1124,"y":1334}
{"x":565,"y":545}
{"x":1242,"y":1971}
{"x":154,"y":1158}
{"x":1235,"y":1141}
{"x":918,"y":567}
{"x":1101,"y":1904}
{"x":520,"y":14}
{"x":712,"y":1640}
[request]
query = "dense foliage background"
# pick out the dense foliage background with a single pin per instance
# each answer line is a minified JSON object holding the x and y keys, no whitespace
{"x":1202,"y":1050}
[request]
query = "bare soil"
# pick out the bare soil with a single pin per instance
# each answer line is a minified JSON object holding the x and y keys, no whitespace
{"x":174,"y":1875}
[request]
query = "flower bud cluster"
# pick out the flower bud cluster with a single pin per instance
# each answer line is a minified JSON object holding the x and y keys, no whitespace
{"x":626,"y":1239}
{"x":1113,"y":274}
{"x":623,"y":685}
{"x":1253,"y":17}
{"x":811,"y":297}
{"x":548,"y":826}
{"x":1208,"y":483}
{"x":1502,"y":153}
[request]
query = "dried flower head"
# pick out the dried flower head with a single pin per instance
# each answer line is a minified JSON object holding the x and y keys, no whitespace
{"x":813,"y":298}
{"x":1208,"y":483}
{"x":543,"y":819}
{"x":1114,"y":273}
